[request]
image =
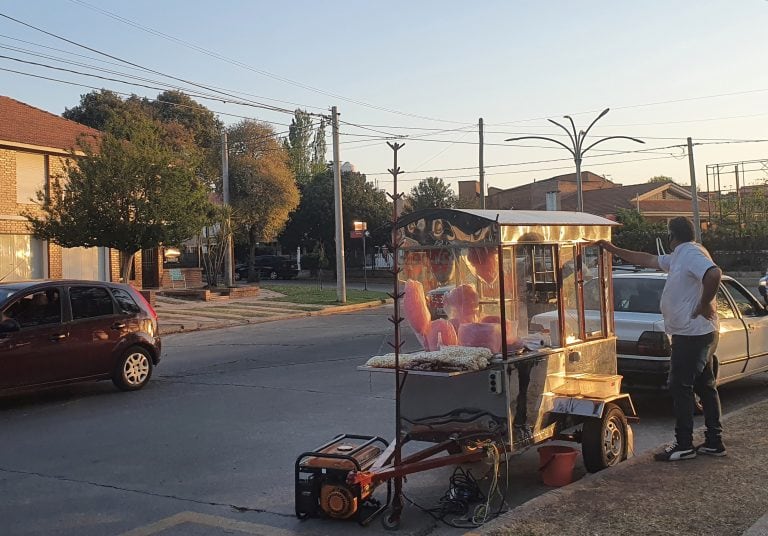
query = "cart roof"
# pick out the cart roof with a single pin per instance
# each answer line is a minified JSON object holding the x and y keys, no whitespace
{"x":510,"y":217}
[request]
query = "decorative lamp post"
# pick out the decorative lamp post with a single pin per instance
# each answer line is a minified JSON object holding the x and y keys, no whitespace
{"x":577,"y":148}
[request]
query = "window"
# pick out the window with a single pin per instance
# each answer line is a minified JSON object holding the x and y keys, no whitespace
{"x":21,"y":258}
{"x":570,"y":295}
{"x":36,"y":309}
{"x":724,"y":309}
{"x":746,"y":305}
{"x":90,"y":302}
{"x":537,"y":293}
{"x":592,"y":291}
{"x":125,"y":302}
{"x":30,"y":176}
{"x":637,"y":294}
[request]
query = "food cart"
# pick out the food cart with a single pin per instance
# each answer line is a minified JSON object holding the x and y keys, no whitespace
{"x":514,"y":311}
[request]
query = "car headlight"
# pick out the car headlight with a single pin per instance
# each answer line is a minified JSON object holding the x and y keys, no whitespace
{"x":762,"y":283}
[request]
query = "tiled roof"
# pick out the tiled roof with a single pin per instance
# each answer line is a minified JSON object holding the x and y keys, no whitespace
{"x":25,"y":124}
{"x":607,"y":201}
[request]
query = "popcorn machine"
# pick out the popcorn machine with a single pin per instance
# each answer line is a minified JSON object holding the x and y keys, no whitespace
{"x":513,"y":310}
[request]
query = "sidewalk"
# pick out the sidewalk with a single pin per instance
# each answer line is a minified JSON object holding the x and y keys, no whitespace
{"x":703,"y":496}
{"x":177,"y":315}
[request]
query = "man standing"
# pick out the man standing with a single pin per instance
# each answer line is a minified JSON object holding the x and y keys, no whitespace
{"x":690,"y":318}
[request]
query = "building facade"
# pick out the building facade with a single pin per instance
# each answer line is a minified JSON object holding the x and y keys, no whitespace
{"x":35,"y":148}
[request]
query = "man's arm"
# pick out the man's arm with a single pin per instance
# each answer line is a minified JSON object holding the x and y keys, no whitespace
{"x":710,"y":282}
{"x":638,"y":258}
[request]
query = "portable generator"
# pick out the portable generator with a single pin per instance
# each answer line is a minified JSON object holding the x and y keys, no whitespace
{"x":321,"y":479}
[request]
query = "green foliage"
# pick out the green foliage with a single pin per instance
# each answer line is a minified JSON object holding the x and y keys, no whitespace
{"x":431,"y":192}
{"x":637,"y":233}
{"x":97,"y":109}
{"x":319,"y":163}
{"x":313,"y":221}
{"x":187,"y":126}
{"x":127,"y":194}
{"x":661,"y":179}
{"x":299,"y":146}
{"x":263,"y":190}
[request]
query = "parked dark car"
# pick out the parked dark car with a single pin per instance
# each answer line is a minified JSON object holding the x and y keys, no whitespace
{"x":55,"y":332}
{"x":270,"y":267}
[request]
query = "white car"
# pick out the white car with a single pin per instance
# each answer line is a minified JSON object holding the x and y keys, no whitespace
{"x":644,"y":349}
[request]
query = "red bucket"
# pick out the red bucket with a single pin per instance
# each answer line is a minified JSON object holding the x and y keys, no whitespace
{"x":556,"y":464}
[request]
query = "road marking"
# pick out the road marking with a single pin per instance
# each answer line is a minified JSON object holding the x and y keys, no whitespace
{"x":209,"y":521}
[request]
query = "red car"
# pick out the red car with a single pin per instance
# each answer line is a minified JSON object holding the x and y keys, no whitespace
{"x":54,"y":332}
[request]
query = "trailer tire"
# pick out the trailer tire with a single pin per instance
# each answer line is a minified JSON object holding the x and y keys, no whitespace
{"x":389,"y":521}
{"x":604,"y":441}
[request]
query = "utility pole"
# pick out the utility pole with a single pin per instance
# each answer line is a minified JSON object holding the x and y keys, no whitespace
{"x":738,"y":196}
{"x":482,"y":169}
{"x":341,"y":280}
{"x":228,"y":276}
{"x":694,"y":193}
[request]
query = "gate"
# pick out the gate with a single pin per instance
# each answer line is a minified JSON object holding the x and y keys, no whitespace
{"x":150,"y":274}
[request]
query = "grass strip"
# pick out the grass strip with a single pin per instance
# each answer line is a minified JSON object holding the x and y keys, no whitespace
{"x":315,"y":296}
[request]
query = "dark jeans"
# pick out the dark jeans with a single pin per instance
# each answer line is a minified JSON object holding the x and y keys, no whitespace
{"x":691,"y":371}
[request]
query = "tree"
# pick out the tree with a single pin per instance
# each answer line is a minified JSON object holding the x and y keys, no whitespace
{"x":318,"y":149}
{"x":313,"y":224}
{"x":661,"y":179}
{"x":636,"y":232}
{"x":431,"y":192}
{"x":126,"y":195}
{"x":263,"y":189}
{"x":298,"y":145}
{"x":97,"y":109}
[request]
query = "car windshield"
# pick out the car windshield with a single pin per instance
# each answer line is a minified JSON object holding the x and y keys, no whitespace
{"x":637,"y":294}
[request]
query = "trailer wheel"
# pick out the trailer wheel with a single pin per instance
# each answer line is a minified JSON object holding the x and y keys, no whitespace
{"x":604,"y":441}
{"x":389,"y":521}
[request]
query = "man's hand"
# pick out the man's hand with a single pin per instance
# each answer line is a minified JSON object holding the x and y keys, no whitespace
{"x":606,"y":245}
{"x":707,"y":310}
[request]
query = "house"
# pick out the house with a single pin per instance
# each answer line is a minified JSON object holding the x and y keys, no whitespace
{"x":655,"y":201}
{"x":35,"y":146}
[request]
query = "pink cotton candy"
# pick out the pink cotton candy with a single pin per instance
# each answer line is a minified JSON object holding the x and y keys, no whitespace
{"x":441,"y":333}
{"x":514,"y":343}
{"x":462,"y":303}
{"x":415,"y":308}
{"x":481,"y":335}
{"x":485,"y":261}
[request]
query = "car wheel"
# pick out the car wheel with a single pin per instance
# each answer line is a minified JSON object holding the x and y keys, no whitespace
{"x":604,"y":441}
{"x":273,"y":275}
{"x":134,"y":369}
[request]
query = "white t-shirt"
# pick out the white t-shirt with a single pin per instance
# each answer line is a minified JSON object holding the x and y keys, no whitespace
{"x":686,"y":267}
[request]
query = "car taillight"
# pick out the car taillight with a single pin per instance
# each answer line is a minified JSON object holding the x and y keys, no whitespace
{"x":147,"y":304}
{"x":654,"y":343}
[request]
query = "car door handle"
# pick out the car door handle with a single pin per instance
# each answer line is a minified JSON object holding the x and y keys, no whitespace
{"x":58,"y":337}
{"x":118,"y":325}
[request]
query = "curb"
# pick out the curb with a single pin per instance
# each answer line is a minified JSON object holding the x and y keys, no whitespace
{"x":336,"y":309}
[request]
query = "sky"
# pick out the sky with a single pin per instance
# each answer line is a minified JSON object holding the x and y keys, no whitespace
{"x":424,"y":72}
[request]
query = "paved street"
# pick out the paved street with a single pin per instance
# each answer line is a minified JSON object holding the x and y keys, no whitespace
{"x":208,"y":447}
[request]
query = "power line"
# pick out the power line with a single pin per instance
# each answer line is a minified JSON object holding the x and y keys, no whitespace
{"x":67,"y":82}
{"x":51,"y":34}
{"x":85,"y":56}
{"x":262,"y":72}
{"x":537,"y":170}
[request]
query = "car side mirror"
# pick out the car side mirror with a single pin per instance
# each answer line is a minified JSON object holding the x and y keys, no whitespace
{"x":9,"y":325}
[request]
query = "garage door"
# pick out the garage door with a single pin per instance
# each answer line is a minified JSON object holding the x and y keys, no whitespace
{"x":84,"y":263}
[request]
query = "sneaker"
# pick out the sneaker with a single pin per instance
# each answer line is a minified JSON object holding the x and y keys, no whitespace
{"x":712,"y":449}
{"x":673,"y":453}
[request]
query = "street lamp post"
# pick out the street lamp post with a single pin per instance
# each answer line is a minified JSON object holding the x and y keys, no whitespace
{"x":577,"y":150}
